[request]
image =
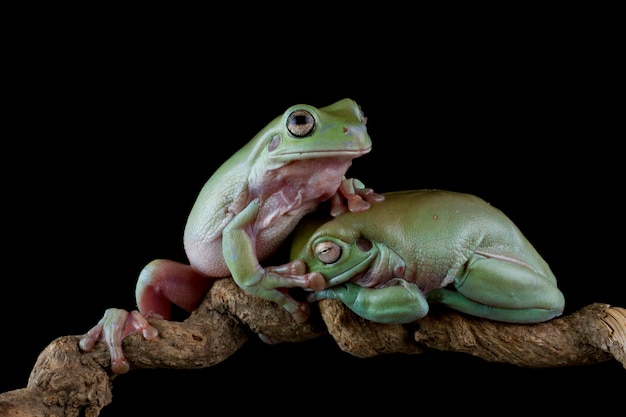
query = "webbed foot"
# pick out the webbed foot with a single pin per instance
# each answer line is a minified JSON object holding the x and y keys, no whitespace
{"x":115,"y":325}
{"x":357,"y":197}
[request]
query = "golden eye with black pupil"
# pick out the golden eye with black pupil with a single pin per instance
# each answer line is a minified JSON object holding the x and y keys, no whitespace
{"x":300,"y":123}
{"x":328,"y":252}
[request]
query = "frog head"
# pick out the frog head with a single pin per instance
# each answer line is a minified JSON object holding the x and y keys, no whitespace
{"x":338,"y":258}
{"x":304,"y":132}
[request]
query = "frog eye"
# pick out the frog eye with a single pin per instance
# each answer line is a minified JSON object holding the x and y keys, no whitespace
{"x":328,"y":252}
{"x":300,"y":123}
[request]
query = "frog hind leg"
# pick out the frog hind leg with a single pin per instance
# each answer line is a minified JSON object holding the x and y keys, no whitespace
{"x":164,"y":282}
{"x":502,"y":290}
{"x":161,"y":283}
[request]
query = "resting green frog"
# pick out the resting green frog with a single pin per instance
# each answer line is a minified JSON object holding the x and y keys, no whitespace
{"x":420,"y":247}
{"x":244,"y":213}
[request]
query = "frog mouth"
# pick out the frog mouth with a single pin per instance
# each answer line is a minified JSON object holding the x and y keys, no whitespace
{"x":323,"y":153}
{"x":352,"y":273}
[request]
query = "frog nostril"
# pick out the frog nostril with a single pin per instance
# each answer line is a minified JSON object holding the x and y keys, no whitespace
{"x":364,"y":245}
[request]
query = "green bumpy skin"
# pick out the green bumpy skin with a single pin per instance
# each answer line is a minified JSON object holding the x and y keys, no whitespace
{"x":420,"y":247}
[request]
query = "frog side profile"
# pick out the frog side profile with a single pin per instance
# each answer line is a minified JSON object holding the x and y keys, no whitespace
{"x":420,"y":247}
{"x":244,"y":213}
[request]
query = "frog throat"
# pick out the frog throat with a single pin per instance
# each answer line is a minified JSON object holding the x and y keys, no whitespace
{"x":387,"y":265}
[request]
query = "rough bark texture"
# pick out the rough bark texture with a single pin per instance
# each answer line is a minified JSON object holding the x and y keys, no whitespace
{"x":68,"y":382}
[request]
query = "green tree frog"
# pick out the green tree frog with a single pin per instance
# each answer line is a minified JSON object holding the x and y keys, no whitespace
{"x":428,"y":246}
{"x":245,"y":212}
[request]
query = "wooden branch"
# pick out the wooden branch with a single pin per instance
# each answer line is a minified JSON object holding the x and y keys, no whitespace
{"x":68,"y":382}
{"x":595,"y":333}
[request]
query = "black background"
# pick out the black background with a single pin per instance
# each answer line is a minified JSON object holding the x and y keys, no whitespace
{"x":114,"y":134}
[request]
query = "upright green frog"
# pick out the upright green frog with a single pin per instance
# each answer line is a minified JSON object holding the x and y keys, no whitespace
{"x":243,"y":214}
{"x":428,"y":246}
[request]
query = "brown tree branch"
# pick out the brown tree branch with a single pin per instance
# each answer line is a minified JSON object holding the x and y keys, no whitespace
{"x":595,"y":333}
{"x":68,"y":382}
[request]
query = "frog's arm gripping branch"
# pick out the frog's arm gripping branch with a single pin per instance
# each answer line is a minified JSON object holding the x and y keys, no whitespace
{"x":68,"y":382}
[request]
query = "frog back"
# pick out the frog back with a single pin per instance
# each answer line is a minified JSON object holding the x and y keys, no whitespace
{"x":439,"y":229}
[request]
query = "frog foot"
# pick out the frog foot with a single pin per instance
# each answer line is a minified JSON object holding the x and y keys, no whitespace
{"x":115,"y":325}
{"x":299,"y":311}
{"x":293,"y":274}
{"x":357,"y":197}
{"x":275,"y":282}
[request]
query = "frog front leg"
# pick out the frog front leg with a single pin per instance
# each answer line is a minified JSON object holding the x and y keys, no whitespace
{"x":271,"y":283}
{"x":398,"y":303}
{"x":502,"y":290}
